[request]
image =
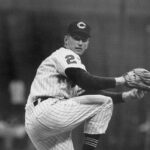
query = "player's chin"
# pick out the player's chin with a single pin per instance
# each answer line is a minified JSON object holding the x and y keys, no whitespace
{"x":79,"y":51}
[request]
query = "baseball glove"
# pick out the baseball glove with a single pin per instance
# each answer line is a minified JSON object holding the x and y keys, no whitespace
{"x":138,"y":78}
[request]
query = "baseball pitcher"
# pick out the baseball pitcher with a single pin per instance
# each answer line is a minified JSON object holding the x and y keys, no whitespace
{"x":64,"y":94}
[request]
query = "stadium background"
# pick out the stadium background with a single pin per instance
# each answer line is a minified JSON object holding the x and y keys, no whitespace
{"x":30,"y":30}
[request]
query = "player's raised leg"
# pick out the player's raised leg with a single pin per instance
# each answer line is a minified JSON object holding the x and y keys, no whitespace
{"x":97,"y":125}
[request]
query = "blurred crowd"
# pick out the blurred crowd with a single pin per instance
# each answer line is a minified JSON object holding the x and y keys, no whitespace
{"x":24,"y":42}
{"x":12,"y":100}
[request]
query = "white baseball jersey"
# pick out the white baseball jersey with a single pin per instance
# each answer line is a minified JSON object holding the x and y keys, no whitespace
{"x":50,"y":122}
{"x":51,"y":80}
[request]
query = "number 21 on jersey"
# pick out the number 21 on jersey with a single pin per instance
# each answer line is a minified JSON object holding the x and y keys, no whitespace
{"x":70,"y":59}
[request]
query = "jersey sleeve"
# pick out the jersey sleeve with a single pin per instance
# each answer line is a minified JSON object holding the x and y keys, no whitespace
{"x":65,"y":58}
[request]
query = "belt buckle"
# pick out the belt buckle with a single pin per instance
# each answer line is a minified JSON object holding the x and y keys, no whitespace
{"x":37,"y":101}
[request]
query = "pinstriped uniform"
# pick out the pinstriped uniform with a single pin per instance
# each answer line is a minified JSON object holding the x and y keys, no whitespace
{"x":49,"y":124}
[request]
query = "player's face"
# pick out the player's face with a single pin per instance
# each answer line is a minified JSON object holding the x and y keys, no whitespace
{"x":76,"y":43}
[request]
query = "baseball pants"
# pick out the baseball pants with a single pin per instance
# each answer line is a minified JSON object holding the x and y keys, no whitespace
{"x":49,"y":124}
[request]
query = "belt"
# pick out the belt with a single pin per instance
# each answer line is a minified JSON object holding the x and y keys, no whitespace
{"x":41,"y":99}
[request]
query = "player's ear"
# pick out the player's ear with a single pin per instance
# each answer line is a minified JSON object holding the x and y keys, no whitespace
{"x":65,"y":38}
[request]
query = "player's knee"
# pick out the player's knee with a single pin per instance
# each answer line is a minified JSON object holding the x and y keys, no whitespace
{"x":109,"y":105}
{"x":108,"y":100}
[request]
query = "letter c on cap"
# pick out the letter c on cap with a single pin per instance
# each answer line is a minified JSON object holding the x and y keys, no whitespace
{"x":81,"y":25}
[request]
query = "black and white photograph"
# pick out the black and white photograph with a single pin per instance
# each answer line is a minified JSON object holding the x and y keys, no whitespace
{"x":74,"y":74}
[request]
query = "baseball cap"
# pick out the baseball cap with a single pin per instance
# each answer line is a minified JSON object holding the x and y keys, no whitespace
{"x":79,"y":28}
